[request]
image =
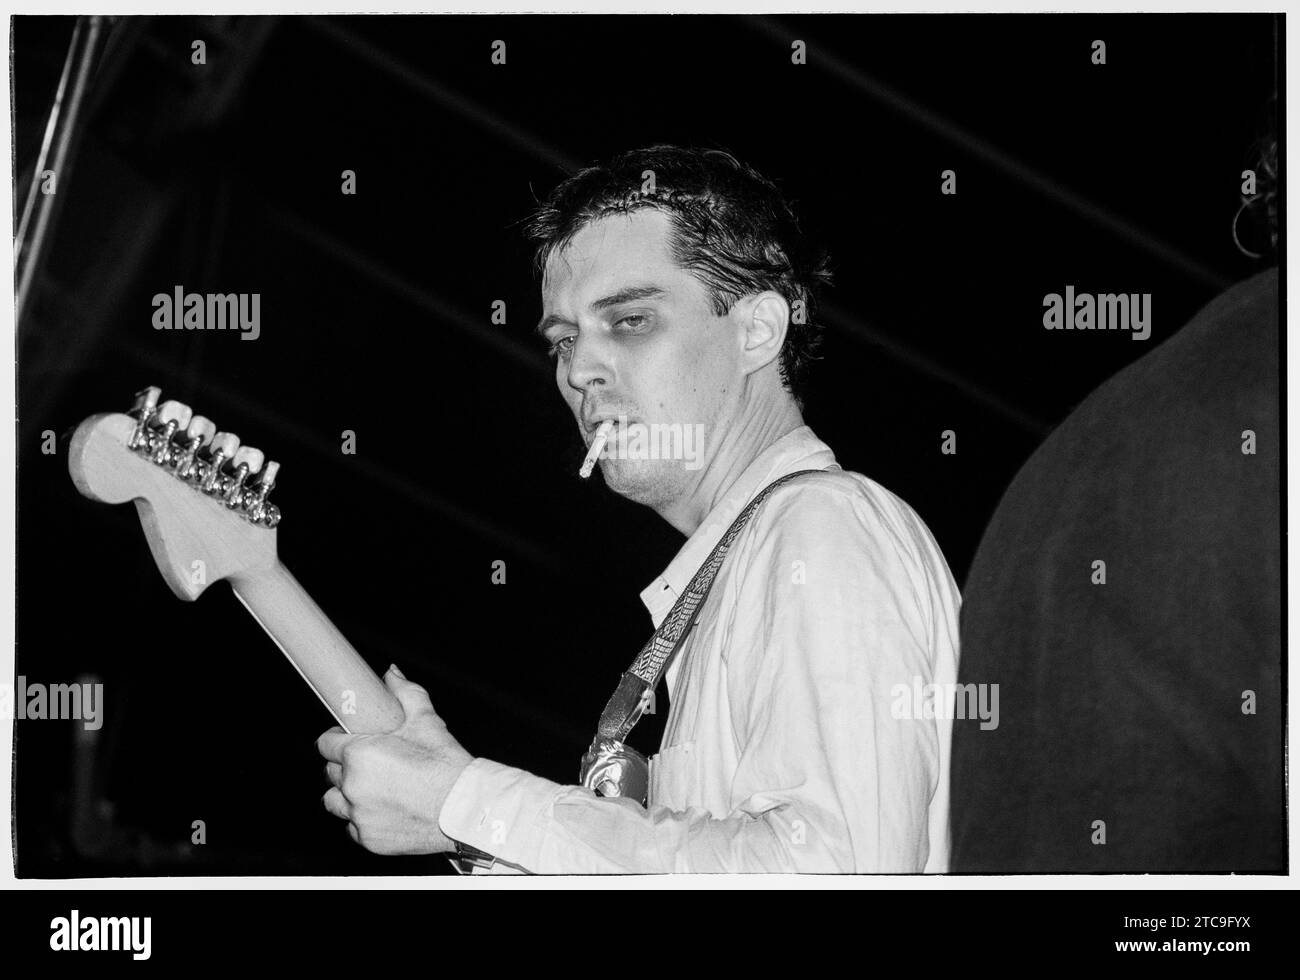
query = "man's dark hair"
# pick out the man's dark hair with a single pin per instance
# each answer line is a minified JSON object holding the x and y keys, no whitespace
{"x":1267,"y":197}
{"x":1262,"y":209}
{"x":731,"y":228}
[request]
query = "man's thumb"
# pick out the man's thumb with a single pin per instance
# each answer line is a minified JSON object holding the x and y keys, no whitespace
{"x":413,"y":698}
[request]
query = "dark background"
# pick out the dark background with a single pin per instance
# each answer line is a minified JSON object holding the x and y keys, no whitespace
{"x":376,"y":318}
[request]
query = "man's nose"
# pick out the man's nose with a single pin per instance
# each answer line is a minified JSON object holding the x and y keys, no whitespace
{"x":589,"y":363}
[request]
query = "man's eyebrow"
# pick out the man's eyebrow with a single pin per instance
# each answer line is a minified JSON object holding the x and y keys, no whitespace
{"x":548,"y":321}
{"x":628,"y":295}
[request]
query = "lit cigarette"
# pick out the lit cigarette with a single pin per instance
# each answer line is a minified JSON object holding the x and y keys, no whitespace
{"x":597,"y":444}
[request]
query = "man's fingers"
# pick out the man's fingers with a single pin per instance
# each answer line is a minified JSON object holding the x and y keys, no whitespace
{"x":331,"y":744}
{"x":334,"y":773}
{"x":337,"y":804}
{"x":413,"y":698}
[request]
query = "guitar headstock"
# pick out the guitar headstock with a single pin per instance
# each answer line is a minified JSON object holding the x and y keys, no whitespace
{"x":201,"y":496}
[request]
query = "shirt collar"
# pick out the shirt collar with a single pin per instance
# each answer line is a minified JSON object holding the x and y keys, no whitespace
{"x":797,"y":450}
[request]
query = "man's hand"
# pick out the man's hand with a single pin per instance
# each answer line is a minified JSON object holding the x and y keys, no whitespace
{"x":390,"y":788}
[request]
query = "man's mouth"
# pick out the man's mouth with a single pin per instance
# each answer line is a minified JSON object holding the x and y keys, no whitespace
{"x":589,"y":426}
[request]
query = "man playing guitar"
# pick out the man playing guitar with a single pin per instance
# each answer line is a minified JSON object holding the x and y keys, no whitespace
{"x":678,"y":291}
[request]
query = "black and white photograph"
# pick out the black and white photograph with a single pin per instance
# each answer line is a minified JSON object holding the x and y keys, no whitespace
{"x":603,"y":444}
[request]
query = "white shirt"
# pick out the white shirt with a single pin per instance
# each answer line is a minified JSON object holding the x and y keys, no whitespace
{"x":788,"y":746}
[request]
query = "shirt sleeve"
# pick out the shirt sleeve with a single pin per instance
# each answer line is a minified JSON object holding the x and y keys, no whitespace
{"x":826,"y":622}
{"x":856,"y":618}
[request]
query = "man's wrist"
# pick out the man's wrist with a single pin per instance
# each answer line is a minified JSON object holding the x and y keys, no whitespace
{"x":460,"y":850}
{"x":448,"y":790}
{"x":502,"y":811}
{"x":466,"y":857}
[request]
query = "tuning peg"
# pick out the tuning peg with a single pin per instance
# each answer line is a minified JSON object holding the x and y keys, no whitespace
{"x":173,"y":415}
{"x":198,"y":434}
{"x":250,"y":457}
{"x":267,"y":480}
{"x":202,"y":429}
{"x":172,"y":436}
{"x":146,"y":403}
{"x":258,"y":509}
{"x":246,"y":462}
{"x":224,"y":445}
{"x":174,"y":411}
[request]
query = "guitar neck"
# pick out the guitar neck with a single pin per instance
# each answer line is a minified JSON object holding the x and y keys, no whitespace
{"x":343,"y":681}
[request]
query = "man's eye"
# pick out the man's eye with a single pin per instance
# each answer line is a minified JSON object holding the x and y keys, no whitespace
{"x":561,"y":348}
{"x":633,"y":320}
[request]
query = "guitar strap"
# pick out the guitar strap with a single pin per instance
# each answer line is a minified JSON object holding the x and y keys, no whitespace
{"x":611,"y":767}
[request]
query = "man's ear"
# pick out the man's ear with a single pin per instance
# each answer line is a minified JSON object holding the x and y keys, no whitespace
{"x":764,"y":320}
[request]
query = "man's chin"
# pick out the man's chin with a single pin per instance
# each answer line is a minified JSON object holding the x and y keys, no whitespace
{"x":643,"y":481}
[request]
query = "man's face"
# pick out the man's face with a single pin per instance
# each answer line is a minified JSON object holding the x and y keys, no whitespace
{"x":633,"y":335}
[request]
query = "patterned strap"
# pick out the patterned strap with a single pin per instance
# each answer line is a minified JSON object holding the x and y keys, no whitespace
{"x":630,"y":699}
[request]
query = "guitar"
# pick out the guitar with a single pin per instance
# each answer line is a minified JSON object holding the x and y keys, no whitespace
{"x":203,"y":502}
